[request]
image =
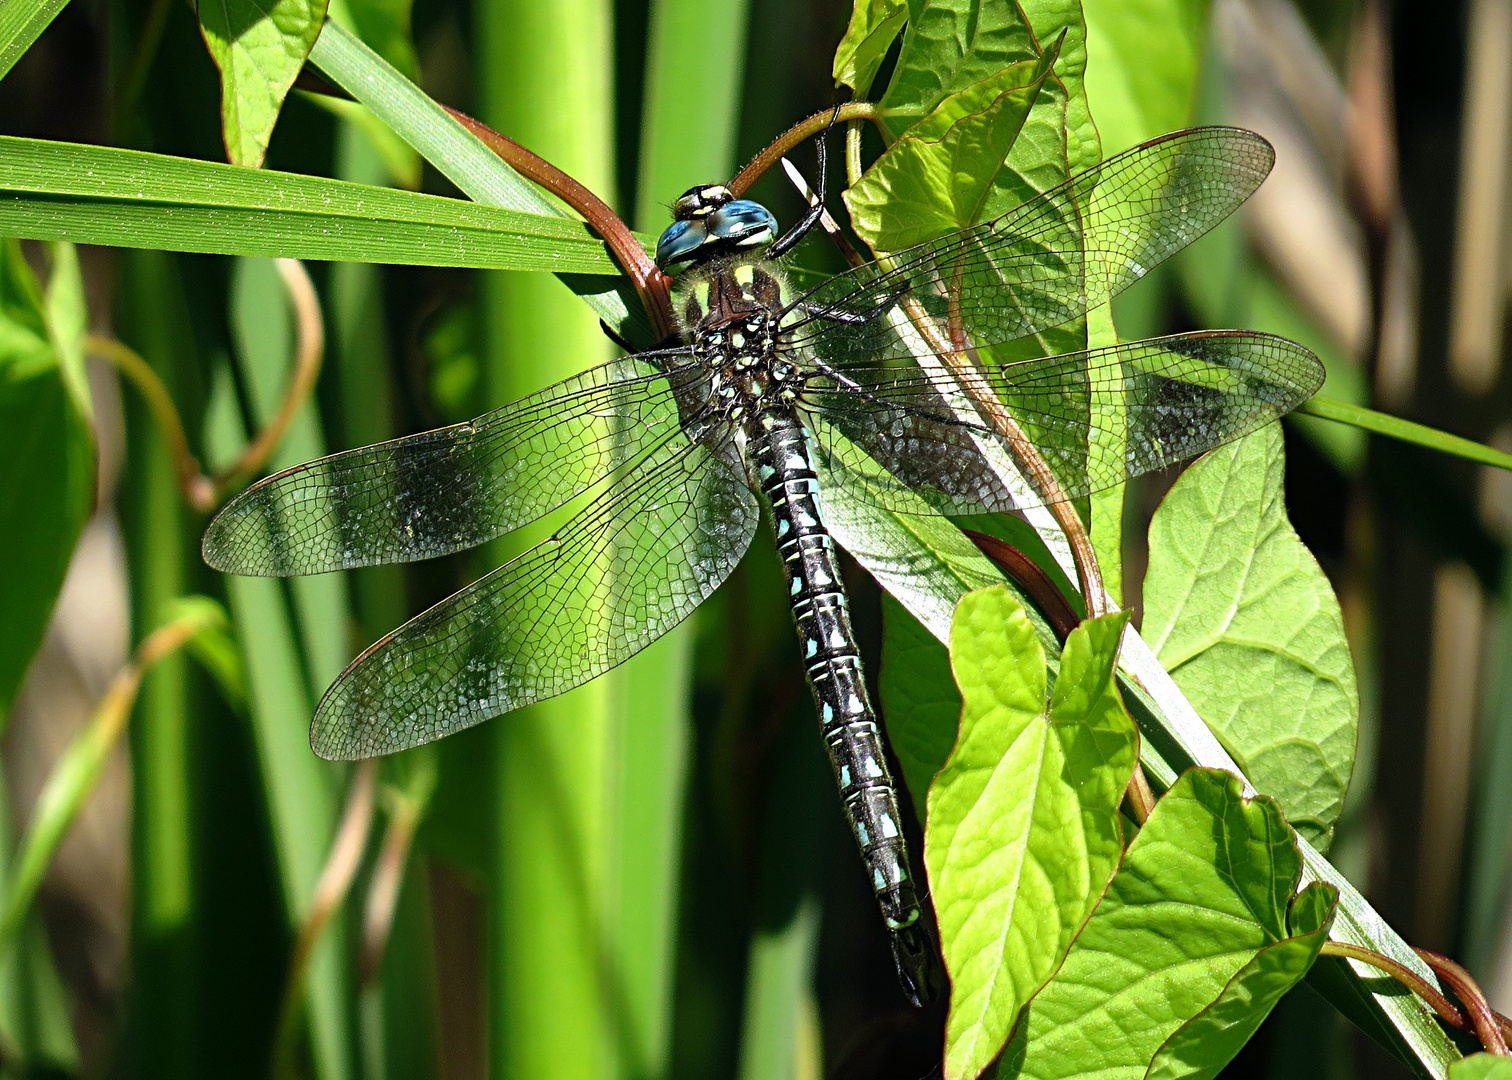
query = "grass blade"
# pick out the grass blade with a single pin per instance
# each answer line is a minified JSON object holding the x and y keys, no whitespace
{"x":127,"y":198}
{"x":21,"y":23}
{"x":1396,"y":428}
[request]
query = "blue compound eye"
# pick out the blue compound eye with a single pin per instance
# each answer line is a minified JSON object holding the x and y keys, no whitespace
{"x":680,"y":241}
{"x":743,"y":224}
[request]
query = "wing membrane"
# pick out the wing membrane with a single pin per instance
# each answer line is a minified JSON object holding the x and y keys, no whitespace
{"x":446,"y":490}
{"x":629,"y":567}
{"x":1168,"y":399}
{"x":1045,"y":262}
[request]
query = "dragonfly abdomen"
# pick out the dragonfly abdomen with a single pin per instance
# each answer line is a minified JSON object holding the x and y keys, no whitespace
{"x":779,"y":459}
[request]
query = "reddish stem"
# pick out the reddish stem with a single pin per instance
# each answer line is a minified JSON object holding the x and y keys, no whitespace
{"x":653,"y":286}
{"x":1027,"y":575}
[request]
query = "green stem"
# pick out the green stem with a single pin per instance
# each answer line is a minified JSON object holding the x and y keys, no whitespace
{"x":74,"y":778}
{"x":1327,"y":408}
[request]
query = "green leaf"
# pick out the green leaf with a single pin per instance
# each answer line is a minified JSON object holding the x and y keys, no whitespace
{"x":1241,"y":615}
{"x":1482,"y":1067}
{"x":1201,"y":1047}
{"x":1203,"y":888}
{"x":1023,"y":831}
{"x":300,"y":789}
{"x":47,"y":475}
{"x":21,"y":23}
{"x":259,"y":48}
{"x":125,"y":198}
{"x":1135,"y":99}
{"x":384,"y":25}
{"x":936,"y":178}
{"x":874,"y":25}
{"x":442,"y":140}
{"x":950,"y":45}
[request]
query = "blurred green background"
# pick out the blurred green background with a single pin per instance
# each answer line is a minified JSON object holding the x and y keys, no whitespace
{"x":649,"y":877}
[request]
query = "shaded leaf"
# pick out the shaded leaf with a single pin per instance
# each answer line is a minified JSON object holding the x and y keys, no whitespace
{"x":47,"y":475}
{"x":259,"y":48}
{"x":1242,"y":616}
{"x":1023,"y":831}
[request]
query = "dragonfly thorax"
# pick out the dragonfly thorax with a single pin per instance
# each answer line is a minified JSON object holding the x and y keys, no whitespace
{"x":731,"y":316}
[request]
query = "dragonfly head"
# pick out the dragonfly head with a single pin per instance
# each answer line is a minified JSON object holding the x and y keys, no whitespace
{"x":708,"y":223}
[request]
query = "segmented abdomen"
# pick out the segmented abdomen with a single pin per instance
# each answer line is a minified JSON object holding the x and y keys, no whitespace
{"x":779,"y":459}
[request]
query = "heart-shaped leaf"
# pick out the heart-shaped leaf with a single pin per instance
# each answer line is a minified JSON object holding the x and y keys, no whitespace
{"x":1023,"y":831}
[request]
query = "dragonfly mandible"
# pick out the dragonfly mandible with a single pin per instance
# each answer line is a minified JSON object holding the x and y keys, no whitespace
{"x":671,"y":453}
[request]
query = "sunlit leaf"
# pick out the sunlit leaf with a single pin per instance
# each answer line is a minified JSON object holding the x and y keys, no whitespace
{"x":1482,"y":1067}
{"x":1133,"y":98}
{"x":1023,"y":830}
{"x":1203,"y":888}
{"x":874,"y":26}
{"x":259,"y":48}
{"x":957,"y":150}
{"x":1202,"y":1046}
{"x":1242,"y":616}
{"x":385,"y":26}
{"x":21,"y":23}
{"x":950,"y":45}
{"x":99,"y":195}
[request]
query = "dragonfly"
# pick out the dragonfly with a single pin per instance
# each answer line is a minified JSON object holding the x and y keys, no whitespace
{"x":670,"y":456}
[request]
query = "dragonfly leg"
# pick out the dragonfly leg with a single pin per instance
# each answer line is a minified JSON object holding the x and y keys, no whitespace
{"x":789,"y":240}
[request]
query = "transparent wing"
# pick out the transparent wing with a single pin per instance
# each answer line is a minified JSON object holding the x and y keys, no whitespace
{"x":450,"y":489}
{"x":1158,"y":402}
{"x":1045,"y":262}
{"x":635,"y":562}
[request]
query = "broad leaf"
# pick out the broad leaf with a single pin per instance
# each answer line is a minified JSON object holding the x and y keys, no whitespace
{"x":957,"y":150}
{"x":1023,"y":831}
{"x":1204,"y":887}
{"x":1202,"y":1046}
{"x":47,"y":474}
{"x":1241,"y":615}
{"x":874,"y":26}
{"x":98,"y":195}
{"x":259,"y":48}
{"x":1135,"y":99}
{"x":950,"y":45}
{"x":1482,"y":1067}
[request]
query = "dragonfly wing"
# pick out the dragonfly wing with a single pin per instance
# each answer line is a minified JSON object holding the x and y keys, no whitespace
{"x":446,"y":490}
{"x":1045,"y":262}
{"x":1161,"y":401}
{"x":631,"y":565}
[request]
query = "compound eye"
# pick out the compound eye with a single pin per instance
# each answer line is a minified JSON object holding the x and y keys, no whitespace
{"x":680,"y":243}
{"x":743,"y":223}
